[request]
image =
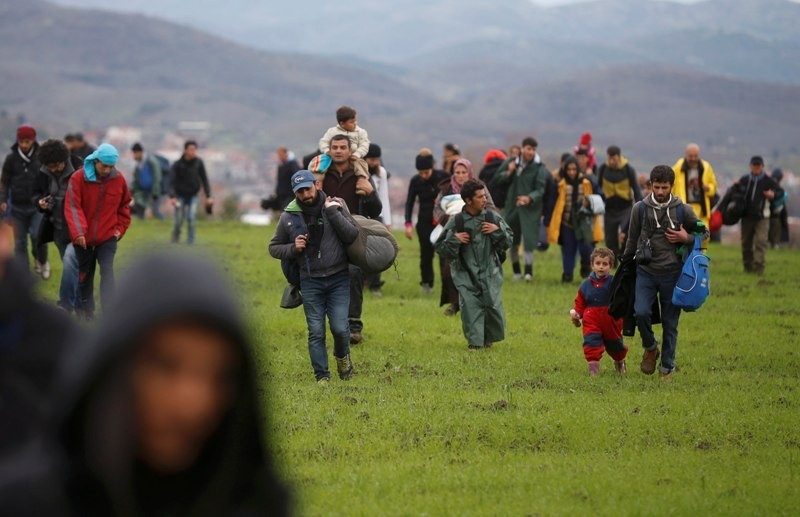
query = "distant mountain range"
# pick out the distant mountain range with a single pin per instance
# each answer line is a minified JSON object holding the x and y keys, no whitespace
{"x":68,"y":68}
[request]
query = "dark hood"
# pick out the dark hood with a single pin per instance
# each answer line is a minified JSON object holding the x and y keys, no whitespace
{"x":94,"y":403}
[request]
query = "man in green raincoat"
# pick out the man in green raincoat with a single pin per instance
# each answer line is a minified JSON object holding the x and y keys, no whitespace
{"x":526,"y":177}
{"x":474,"y":240}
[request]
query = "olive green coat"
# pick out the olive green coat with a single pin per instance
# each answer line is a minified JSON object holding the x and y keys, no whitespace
{"x":478,"y":277}
{"x":523,"y":220}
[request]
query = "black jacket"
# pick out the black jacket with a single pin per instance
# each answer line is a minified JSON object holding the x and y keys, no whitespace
{"x":186,"y":177}
{"x":89,"y":466}
{"x":19,"y":177}
{"x":33,"y":338}
{"x":756,"y":206}
{"x":283,"y":182}
{"x":426,"y":191}
{"x":49,"y":184}
{"x":498,"y":191}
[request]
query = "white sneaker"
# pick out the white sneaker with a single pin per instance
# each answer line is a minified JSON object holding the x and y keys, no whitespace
{"x":516,"y":277}
{"x":46,"y":271}
{"x":37,"y":267}
{"x":528,"y":277}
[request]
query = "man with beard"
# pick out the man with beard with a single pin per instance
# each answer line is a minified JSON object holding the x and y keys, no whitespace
{"x":361,"y":197}
{"x":695,"y":182}
{"x":20,"y":170}
{"x":314,"y":230}
{"x":662,"y":219}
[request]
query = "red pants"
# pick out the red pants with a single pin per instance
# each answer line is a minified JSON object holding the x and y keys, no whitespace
{"x":601,"y":333}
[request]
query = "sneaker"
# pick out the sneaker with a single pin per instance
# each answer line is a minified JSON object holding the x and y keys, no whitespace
{"x":376,"y":292}
{"x":649,"y":359}
{"x":473,"y":348}
{"x":427,"y":288}
{"x":450,"y":310}
{"x":37,"y":267}
{"x":488,"y":344}
{"x":665,"y":376}
{"x":566,"y":278}
{"x":345,"y":367}
{"x":46,"y":271}
{"x":356,"y":337}
{"x":516,"y":277}
{"x":528,"y":277}
{"x":594,"y":368}
{"x":620,"y":367}
{"x":323,"y":381}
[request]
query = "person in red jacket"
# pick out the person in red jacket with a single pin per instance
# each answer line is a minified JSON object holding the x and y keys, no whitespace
{"x":97,"y":210}
{"x":601,"y":331}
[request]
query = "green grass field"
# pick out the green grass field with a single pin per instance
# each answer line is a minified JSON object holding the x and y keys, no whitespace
{"x":428,"y":428}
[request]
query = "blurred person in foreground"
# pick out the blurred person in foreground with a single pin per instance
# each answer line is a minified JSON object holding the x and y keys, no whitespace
{"x":32,"y":339}
{"x":158,"y":411}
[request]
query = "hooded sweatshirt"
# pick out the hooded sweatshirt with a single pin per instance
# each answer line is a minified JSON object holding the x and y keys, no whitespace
{"x":89,"y":466}
{"x":19,"y":176}
{"x":657,"y":218}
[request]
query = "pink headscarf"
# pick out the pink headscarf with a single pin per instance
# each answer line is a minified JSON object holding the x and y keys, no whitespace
{"x":455,"y":187}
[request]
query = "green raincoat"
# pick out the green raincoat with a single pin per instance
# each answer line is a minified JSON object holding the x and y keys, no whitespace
{"x":478,"y":277}
{"x":523,"y":220}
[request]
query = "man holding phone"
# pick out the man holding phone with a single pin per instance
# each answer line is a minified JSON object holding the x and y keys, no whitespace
{"x":314,"y":230}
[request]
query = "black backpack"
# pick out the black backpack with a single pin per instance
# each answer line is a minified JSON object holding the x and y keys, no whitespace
{"x":489,"y":218}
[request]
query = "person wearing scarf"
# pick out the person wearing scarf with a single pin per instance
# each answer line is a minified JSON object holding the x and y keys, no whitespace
{"x":97,"y":211}
{"x":571,"y":227}
{"x":20,"y":171}
{"x":451,"y":186}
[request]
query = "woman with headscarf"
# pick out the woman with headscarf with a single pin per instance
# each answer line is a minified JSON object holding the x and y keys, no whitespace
{"x":158,"y":411}
{"x":449,"y":203}
{"x":572,"y":225}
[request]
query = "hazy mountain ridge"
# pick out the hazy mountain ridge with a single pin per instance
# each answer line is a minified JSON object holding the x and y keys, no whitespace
{"x":70,"y":68}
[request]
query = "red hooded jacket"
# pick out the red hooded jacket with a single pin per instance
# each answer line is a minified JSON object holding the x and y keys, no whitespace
{"x":97,"y":210}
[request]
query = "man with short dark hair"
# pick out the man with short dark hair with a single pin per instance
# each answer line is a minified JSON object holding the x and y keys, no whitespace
{"x":526,"y":177}
{"x":314,"y":231}
{"x":146,"y":187}
{"x":187,"y":176}
{"x":475,"y":265}
{"x":49,"y":194}
{"x":660,"y":221}
{"x":20,"y":170}
{"x":619,"y":184}
{"x":760,"y":191}
{"x":81,"y":147}
{"x":361,"y":197}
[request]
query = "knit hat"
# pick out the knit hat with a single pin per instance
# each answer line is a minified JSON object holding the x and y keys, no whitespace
{"x":320,"y":163}
{"x":424,"y":162}
{"x":106,"y":154}
{"x":494,"y":155}
{"x":374,"y":151}
{"x":586,"y":139}
{"x":26,"y":133}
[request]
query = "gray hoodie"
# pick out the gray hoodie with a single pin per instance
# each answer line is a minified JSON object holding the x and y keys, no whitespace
{"x":657,"y":218}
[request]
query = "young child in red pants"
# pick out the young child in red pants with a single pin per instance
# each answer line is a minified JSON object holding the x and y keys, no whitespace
{"x":600,"y":331}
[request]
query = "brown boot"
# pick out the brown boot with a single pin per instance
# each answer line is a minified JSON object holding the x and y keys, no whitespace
{"x":649,"y":360}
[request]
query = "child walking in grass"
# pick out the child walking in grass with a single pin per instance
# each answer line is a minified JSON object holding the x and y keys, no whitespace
{"x":601,"y":332}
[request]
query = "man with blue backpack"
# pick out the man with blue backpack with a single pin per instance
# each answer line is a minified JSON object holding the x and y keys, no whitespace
{"x":661,"y":227}
{"x":147,"y":182}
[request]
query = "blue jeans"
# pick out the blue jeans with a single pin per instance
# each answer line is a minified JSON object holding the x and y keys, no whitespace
{"x":326,"y":296}
{"x":68,"y":293}
{"x":87,"y":262}
{"x":649,"y":286}
{"x":570,"y":247}
{"x":26,"y":224}
{"x":186,"y":210}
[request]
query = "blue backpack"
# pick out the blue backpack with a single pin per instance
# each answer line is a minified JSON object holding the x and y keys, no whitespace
{"x":693,"y":285}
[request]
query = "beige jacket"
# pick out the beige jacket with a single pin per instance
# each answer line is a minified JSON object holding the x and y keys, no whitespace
{"x":359,"y":140}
